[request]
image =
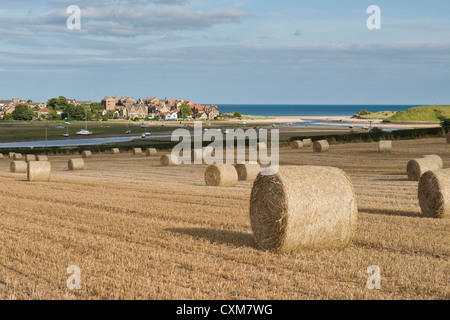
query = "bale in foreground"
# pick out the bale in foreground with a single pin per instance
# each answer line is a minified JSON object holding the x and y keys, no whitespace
{"x":151,"y":152}
{"x":303,"y":208}
{"x":223,"y":175}
{"x":86,"y":154}
{"x":321,"y":146}
{"x":76,"y":164}
{"x":18,"y":166}
{"x":417,"y":167}
{"x":385,"y":146}
{"x":434,"y":193}
{"x":247,"y":171}
{"x":39,"y":171}
{"x":296,"y":144}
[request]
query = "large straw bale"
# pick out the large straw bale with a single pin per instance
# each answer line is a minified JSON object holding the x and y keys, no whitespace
{"x":115,"y":151}
{"x":385,"y":146}
{"x":1,"y":155}
{"x":76,"y":164}
{"x":41,"y":157}
{"x":302,"y":208}
{"x":434,"y":193}
{"x":18,"y":166}
{"x":11,"y":155}
{"x":417,"y":167}
{"x":296,"y":144}
{"x":321,"y":146}
{"x":39,"y":171}
{"x":17,"y":156}
{"x":247,"y":171}
{"x":221,"y":175}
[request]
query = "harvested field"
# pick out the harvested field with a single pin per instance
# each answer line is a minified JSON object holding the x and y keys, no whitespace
{"x":123,"y":224}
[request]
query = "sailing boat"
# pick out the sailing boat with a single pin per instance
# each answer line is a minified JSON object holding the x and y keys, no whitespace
{"x":84,"y":132}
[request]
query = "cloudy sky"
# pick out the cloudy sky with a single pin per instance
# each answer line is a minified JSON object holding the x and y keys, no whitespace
{"x":228,"y":51}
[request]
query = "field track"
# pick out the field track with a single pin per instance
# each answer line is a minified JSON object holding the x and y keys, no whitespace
{"x":141,"y":231}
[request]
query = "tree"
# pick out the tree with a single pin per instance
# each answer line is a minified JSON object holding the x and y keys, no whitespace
{"x":185,"y":111}
{"x":109,"y":114}
{"x":445,"y":124}
{"x":364,"y":112}
{"x":7,"y":117}
{"x":22,"y":112}
{"x":237,"y":115}
{"x":59,"y":103}
{"x":69,"y":111}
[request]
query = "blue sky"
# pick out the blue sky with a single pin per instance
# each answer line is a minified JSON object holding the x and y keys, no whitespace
{"x":246,"y":51}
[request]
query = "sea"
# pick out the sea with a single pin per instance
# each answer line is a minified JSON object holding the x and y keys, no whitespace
{"x":272,"y":110}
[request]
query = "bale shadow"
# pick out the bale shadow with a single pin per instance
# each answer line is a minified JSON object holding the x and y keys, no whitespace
{"x":214,"y":236}
{"x":389,"y":212}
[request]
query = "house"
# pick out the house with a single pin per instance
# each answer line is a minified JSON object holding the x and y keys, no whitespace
{"x":42,"y":113}
{"x":135,"y":111}
{"x":109,"y":103}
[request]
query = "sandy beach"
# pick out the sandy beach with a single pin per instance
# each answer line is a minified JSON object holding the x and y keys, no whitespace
{"x":346,"y":121}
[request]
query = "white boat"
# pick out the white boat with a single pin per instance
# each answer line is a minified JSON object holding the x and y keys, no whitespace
{"x":84,"y":132}
{"x":227,"y":131}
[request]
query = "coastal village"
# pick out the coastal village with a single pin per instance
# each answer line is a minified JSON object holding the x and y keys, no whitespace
{"x":121,"y":108}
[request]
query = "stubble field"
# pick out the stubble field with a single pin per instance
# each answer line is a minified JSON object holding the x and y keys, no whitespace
{"x":138,"y":230}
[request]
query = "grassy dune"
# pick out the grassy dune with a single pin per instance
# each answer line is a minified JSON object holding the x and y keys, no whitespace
{"x":141,"y":231}
{"x":424,"y":113}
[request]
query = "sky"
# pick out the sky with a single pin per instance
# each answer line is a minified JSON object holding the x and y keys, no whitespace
{"x":228,"y":51}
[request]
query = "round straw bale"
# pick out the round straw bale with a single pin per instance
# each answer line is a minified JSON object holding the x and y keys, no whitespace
{"x":41,"y":158}
{"x":438,"y":159}
{"x":247,"y":171}
{"x":448,"y":137}
{"x":86,"y":154}
{"x":296,"y":144}
{"x":76,"y":164}
{"x":166,"y":160}
{"x":1,"y":155}
{"x":115,"y":151}
{"x":307,"y":142}
{"x":18,"y":166}
{"x":39,"y":171}
{"x":17,"y":156}
{"x":221,"y":175}
{"x":321,"y":146}
{"x":434,"y":193}
{"x":137,"y":151}
{"x":30,"y":157}
{"x":417,"y":167}
{"x":11,"y":155}
{"x":303,"y":207}
{"x":385,"y":146}
{"x":151,"y":152}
